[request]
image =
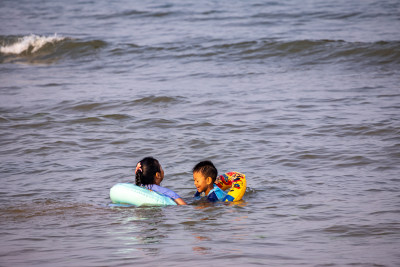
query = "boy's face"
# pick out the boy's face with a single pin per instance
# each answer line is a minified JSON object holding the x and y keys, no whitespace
{"x":202,"y":183}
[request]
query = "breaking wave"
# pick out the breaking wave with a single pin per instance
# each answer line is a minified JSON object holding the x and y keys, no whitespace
{"x":29,"y":44}
{"x":44,"y":49}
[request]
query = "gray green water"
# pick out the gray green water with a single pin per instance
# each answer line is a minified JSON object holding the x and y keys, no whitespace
{"x":301,"y":96}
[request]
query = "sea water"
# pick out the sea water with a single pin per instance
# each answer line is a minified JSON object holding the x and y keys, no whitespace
{"x":301,"y":96}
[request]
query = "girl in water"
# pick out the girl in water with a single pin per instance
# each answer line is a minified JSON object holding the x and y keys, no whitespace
{"x":149,"y":174}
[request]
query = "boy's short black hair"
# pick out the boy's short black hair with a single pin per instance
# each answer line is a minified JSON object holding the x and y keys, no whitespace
{"x":206,"y":168}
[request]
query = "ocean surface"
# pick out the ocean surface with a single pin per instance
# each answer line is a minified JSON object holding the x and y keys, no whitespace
{"x":301,"y":96}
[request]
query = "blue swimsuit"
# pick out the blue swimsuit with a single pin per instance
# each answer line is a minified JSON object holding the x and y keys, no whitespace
{"x":216,"y":194}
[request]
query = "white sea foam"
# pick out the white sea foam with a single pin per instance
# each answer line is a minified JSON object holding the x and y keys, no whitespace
{"x":35,"y":42}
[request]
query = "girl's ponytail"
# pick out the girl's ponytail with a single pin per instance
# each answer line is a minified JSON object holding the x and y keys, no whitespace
{"x":138,"y":174}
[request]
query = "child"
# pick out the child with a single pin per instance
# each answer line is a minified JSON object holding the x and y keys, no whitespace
{"x":149,"y":174}
{"x":204,"y":176}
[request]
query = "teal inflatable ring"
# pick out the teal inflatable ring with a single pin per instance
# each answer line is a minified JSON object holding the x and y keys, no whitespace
{"x":127,"y":193}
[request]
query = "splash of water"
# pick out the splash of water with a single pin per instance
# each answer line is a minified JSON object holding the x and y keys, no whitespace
{"x":30,"y":43}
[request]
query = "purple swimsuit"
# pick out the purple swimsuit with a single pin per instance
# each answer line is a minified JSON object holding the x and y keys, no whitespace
{"x":162,"y":191}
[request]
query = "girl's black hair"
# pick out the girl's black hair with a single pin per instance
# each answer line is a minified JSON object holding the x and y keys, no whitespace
{"x":150,"y":166}
{"x":206,"y":168}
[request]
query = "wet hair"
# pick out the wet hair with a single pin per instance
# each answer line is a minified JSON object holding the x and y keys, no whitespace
{"x":150,"y":166}
{"x":207,"y":169}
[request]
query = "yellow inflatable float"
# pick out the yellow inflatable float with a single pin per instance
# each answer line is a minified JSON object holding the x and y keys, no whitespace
{"x":236,"y":182}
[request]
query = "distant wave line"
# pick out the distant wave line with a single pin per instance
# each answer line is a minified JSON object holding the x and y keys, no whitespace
{"x":325,"y":50}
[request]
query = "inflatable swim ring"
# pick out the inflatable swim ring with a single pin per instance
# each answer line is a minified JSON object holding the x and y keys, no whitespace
{"x":127,"y":193}
{"x":234,"y":181}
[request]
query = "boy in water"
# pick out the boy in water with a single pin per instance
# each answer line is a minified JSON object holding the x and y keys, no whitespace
{"x":204,"y":176}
